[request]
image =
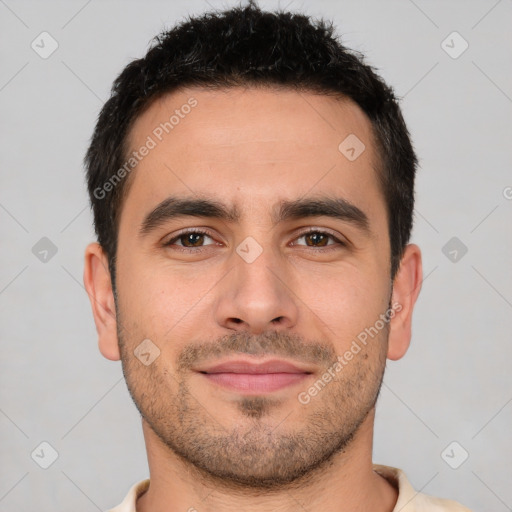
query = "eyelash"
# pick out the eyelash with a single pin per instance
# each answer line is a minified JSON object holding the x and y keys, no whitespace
{"x":207,"y":233}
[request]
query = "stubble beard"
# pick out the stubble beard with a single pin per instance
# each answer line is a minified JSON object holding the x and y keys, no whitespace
{"x":257,"y":450}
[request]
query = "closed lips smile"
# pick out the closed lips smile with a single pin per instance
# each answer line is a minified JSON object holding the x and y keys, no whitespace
{"x":253,"y":378}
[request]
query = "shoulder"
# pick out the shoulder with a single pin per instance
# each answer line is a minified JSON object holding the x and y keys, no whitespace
{"x":130,"y":500}
{"x":409,"y":500}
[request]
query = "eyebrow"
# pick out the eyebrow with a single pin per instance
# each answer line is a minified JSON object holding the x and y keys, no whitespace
{"x":176,"y":207}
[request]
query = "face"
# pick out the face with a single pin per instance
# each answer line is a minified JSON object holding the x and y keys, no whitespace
{"x":290,"y":264}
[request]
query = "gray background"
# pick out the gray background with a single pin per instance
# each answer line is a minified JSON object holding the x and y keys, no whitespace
{"x":454,"y":384}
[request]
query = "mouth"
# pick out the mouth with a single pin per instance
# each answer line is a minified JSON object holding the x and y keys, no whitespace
{"x":248,"y":377}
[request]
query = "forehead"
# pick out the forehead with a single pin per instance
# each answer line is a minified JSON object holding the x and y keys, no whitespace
{"x":248,"y":145}
{"x":251,"y":116}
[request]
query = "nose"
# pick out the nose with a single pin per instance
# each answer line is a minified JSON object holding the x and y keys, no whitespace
{"x":257,"y":296}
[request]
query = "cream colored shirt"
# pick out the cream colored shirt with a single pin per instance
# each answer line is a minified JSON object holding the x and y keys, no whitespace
{"x":408,"y":499}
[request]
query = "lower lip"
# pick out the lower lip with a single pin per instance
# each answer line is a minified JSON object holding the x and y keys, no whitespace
{"x":255,"y":382}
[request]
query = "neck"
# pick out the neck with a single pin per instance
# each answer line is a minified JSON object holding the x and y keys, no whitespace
{"x":345,"y":483}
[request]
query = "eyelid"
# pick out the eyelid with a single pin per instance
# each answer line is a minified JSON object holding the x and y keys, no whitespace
{"x":340,"y":240}
{"x":186,"y":231}
{"x":325,"y":231}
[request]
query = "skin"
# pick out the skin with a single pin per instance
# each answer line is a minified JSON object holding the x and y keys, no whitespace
{"x":215,"y":449}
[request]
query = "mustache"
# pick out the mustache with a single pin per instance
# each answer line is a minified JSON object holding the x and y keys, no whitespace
{"x":270,"y":343}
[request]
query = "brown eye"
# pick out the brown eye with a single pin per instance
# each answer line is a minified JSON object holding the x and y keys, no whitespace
{"x":317,"y":238}
{"x":189,"y":239}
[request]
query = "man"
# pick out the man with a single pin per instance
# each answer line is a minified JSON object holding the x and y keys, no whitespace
{"x":252,"y":183}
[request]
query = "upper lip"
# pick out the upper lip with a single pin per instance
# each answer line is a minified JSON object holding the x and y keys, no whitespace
{"x":245,"y":366}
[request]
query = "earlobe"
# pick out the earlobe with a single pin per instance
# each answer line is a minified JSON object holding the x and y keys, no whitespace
{"x":98,"y":284}
{"x":406,"y":288}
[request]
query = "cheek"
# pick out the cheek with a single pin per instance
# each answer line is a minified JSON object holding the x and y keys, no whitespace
{"x":165,"y":302}
{"x":344,"y":302}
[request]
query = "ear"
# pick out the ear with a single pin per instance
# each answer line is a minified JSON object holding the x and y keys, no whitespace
{"x":406,"y":288}
{"x":99,"y":288}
